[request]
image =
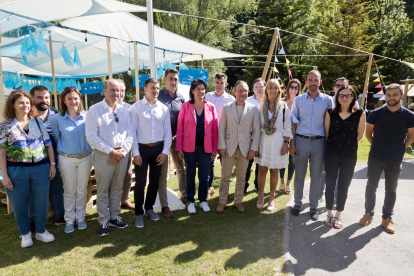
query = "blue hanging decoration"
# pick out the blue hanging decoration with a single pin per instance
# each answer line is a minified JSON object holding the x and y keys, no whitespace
{"x":188,"y":75}
{"x":281,"y":52}
{"x":78,"y":86}
{"x":182,"y":65}
{"x":276,"y":60}
{"x":35,"y":47}
{"x":66,"y":56}
{"x":88,"y":88}
{"x":76,"y":58}
{"x":25,"y":61}
{"x":42,"y":45}
{"x":30,"y":46}
{"x":23,"y":50}
{"x":376,"y":75}
{"x":142,"y":78}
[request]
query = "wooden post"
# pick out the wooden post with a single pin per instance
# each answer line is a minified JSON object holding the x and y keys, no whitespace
{"x":364,"y":92}
{"x":108,"y":50}
{"x":2,"y":100}
{"x":52,"y":63}
{"x":270,"y":54}
{"x":136,"y":71}
{"x":405,"y":94}
{"x":86,"y":97}
{"x":202,"y":62}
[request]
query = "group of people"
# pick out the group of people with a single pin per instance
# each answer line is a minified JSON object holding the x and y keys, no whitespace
{"x":264,"y":128}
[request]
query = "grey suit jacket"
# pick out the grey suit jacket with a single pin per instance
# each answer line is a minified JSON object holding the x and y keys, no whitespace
{"x":245,"y":134}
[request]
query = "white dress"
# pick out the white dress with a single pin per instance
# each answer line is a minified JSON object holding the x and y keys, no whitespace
{"x":271,"y":145}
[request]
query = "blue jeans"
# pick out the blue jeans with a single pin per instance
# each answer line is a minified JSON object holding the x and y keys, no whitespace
{"x":56,"y":198}
{"x":291,"y":168}
{"x":204,"y":160}
{"x":29,"y":182}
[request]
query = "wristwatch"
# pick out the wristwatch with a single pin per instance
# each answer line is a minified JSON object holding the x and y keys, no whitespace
{"x":53,"y":164}
{"x":287,"y":142}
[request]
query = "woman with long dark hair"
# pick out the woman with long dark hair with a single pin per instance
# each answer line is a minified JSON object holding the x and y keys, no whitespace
{"x":344,"y":128}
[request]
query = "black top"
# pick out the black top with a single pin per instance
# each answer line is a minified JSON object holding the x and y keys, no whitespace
{"x":343,"y":134}
{"x":390,"y":131}
{"x":173,"y":104}
{"x":26,"y":130}
{"x":200,"y":129}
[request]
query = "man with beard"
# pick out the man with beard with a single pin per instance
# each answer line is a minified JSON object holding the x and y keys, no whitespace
{"x":390,"y":130}
{"x":41,"y":97}
{"x":308,"y":145}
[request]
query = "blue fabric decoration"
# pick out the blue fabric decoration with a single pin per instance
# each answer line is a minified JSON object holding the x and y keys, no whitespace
{"x":188,"y":75}
{"x":78,"y":86}
{"x":66,"y":56}
{"x":35,"y":47}
{"x":281,"y":52}
{"x":160,"y":70}
{"x":182,"y":65}
{"x":25,"y":61}
{"x":76,"y":58}
{"x":24,"y":51}
{"x":142,"y":78}
{"x":276,"y":60}
{"x":376,"y":75}
{"x":91,"y":88}
{"x":42,"y":45}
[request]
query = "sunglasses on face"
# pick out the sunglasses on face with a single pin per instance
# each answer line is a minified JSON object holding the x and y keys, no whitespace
{"x":294,"y":88}
{"x":116,"y":116}
{"x":345,"y":96}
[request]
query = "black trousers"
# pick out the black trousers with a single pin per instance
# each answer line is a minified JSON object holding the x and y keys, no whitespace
{"x":338,"y":167}
{"x":392,"y":170}
{"x":248,"y":172}
{"x":149,"y":156}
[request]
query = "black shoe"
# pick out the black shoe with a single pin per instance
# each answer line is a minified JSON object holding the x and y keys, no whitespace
{"x":314,"y":215}
{"x":104,"y":229}
{"x":295,"y":211}
{"x":32,"y":226}
{"x":118,"y":223}
{"x":60,"y":221}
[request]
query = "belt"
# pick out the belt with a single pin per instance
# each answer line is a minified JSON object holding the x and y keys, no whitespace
{"x":310,"y":137}
{"x":152,"y":144}
{"x":76,"y":156}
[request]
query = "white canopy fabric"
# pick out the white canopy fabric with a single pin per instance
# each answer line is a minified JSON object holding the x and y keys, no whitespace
{"x":93,"y":55}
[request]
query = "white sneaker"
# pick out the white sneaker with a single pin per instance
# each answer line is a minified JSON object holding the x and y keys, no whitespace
{"x":27,"y":240}
{"x":191,"y":208}
{"x":204,"y":206}
{"x":45,"y":237}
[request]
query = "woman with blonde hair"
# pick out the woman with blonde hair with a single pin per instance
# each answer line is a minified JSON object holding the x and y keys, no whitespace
{"x":293,"y":89}
{"x":75,"y":156}
{"x":274,"y":140}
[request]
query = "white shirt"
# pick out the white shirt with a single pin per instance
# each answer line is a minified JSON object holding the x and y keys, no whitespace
{"x":151,"y":124}
{"x":219,"y":102}
{"x":103,"y":133}
{"x":252,"y":100}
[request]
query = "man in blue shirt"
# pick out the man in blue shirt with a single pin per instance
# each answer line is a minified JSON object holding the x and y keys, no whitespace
{"x":308,"y":115}
{"x":41,"y":97}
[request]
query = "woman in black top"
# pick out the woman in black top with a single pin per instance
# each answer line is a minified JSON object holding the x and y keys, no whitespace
{"x":344,"y":128}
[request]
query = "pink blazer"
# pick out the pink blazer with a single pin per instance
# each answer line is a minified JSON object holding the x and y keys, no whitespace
{"x":186,"y":128}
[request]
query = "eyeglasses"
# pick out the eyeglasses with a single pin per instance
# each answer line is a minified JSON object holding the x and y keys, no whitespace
{"x":258,"y":87}
{"x":340,"y":85}
{"x":347,"y":96}
{"x":116,"y":116}
{"x":294,"y":87}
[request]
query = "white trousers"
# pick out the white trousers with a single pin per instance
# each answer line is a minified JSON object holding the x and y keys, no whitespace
{"x":75,"y":176}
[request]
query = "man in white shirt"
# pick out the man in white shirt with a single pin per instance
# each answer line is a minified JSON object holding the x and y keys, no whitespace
{"x":109,"y":132}
{"x":125,"y":204}
{"x":259,"y":86}
{"x":219,"y":98}
{"x":152,"y":142}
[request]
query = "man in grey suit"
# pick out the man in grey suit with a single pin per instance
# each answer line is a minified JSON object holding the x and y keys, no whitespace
{"x":238,"y":120}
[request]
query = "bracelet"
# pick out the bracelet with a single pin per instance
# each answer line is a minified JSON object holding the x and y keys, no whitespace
{"x":287,"y":142}
{"x":53,"y":164}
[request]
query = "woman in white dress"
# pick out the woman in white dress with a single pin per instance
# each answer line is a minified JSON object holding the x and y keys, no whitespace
{"x":274,"y":140}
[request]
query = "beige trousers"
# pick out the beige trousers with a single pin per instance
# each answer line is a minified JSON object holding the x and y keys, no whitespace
{"x":226,"y":171}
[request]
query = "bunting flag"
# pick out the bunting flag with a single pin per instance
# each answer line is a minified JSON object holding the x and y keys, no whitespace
{"x":276,"y":60}
{"x":378,"y":86}
{"x":29,"y":46}
{"x":377,"y":80}
{"x":287,"y":62}
{"x":24,"y":51}
{"x":76,"y":58}
{"x":290,"y":73}
{"x":35,"y":47}
{"x":284,"y":89}
{"x":278,"y":78}
{"x":281,"y":52}
{"x":380,"y":93}
{"x":382,"y":98}
{"x":282,"y":85}
{"x":376,"y":75}
{"x":25,"y":61}
{"x":275,"y":69}
{"x":182,"y":65}
{"x":66,"y":56}
{"x":42,"y":45}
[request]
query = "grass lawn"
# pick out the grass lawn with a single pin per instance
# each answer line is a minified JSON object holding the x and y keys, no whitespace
{"x":200,"y":244}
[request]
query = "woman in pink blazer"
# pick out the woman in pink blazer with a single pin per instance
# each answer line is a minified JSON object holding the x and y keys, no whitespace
{"x":197,"y":137}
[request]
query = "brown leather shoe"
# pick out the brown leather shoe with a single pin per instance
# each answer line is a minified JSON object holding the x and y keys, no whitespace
{"x":183,"y":200}
{"x":239,"y":207}
{"x":220,"y":208}
{"x":128,"y":205}
{"x":388,"y":225}
{"x":366,"y":219}
{"x":166,"y":212}
{"x":210,"y":192}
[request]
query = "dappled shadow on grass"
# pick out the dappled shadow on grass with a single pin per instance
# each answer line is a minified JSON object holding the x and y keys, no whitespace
{"x":249,"y":237}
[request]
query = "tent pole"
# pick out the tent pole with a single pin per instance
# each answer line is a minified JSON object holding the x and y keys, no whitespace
{"x":136,"y":71}
{"x":86,"y":97}
{"x":1,"y":87}
{"x":364,"y":92}
{"x":269,"y":55}
{"x":405,"y":93}
{"x":150,"y":20}
{"x":108,"y":50}
{"x":52,"y":63}
{"x":202,"y":62}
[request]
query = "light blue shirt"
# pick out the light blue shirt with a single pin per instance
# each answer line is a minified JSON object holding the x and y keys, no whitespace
{"x":309,"y":114}
{"x":70,"y":135}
